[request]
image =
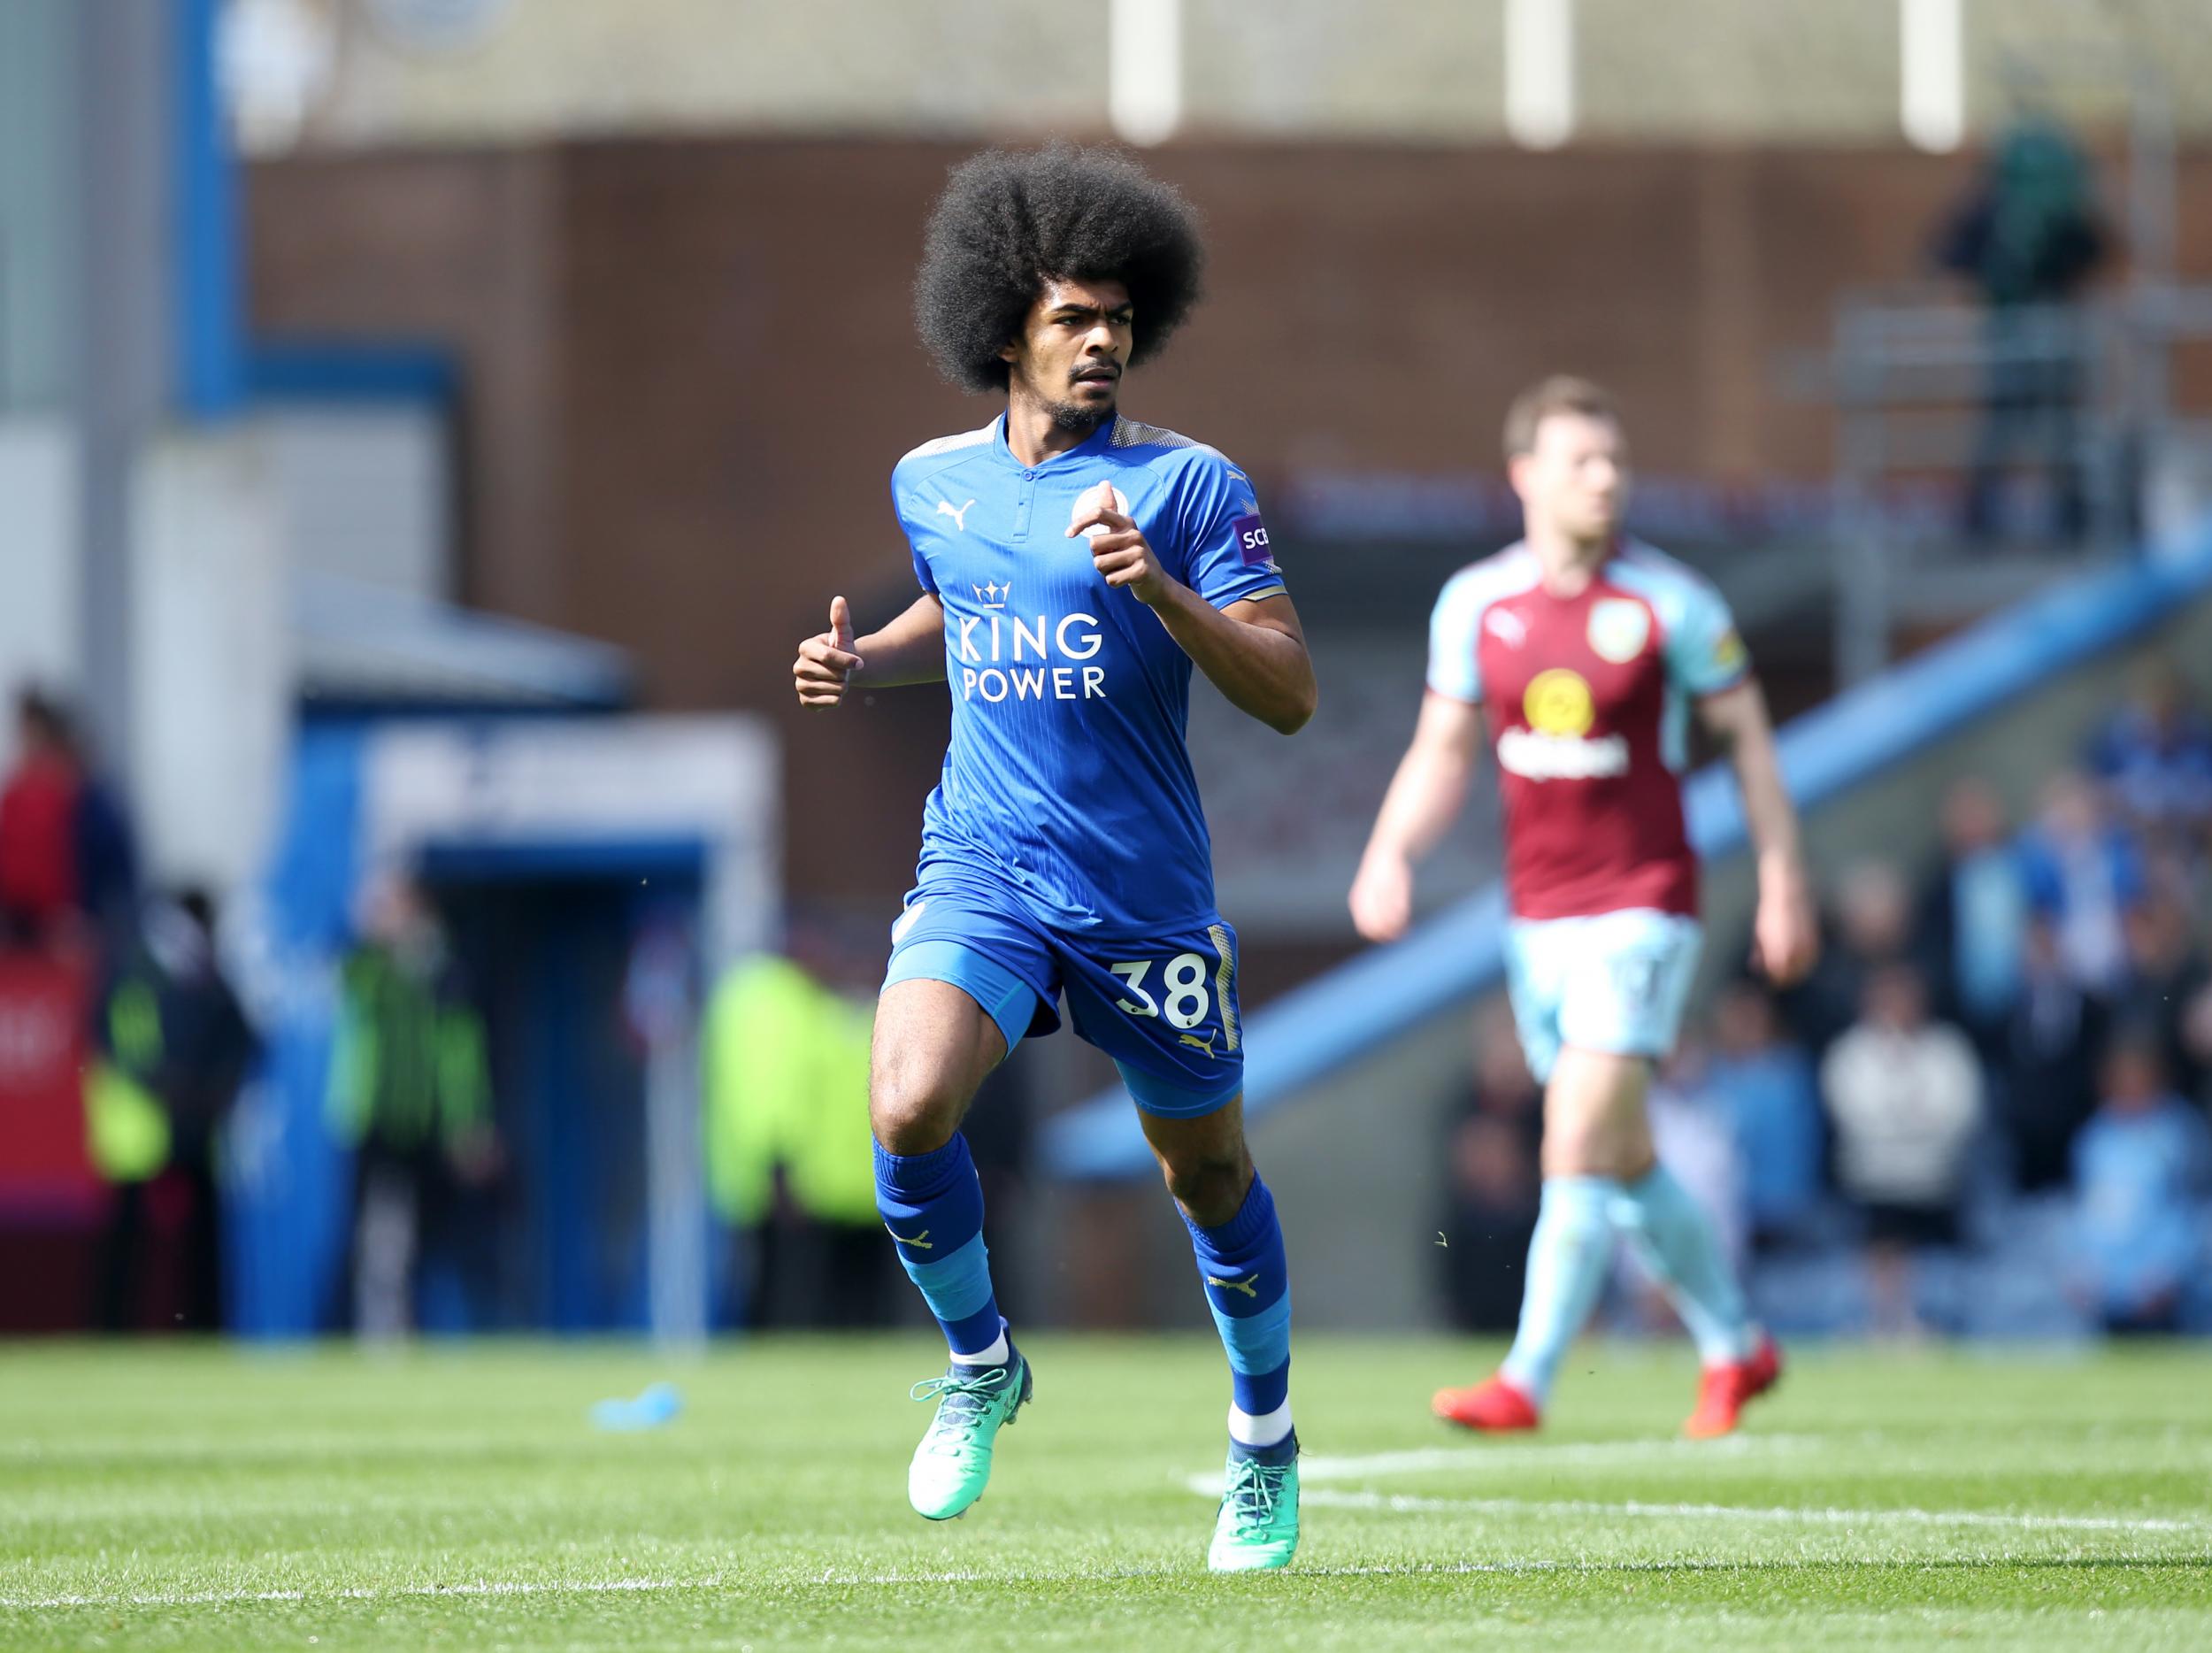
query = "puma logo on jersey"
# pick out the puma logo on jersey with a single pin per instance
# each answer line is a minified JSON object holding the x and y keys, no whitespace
{"x":1507,"y":626}
{"x":920,"y":1242}
{"x":1249,"y":1288}
{"x":1196,"y":1044}
{"x":959,"y":518}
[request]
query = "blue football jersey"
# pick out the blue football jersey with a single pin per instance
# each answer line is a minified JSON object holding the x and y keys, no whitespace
{"x":1067,"y":779}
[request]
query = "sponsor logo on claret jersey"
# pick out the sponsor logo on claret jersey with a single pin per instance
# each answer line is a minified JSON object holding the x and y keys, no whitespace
{"x":1560,"y":712}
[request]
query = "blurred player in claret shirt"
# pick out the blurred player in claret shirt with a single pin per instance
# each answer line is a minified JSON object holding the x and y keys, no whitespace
{"x":1579,"y":657}
{"x":1074,"y":565}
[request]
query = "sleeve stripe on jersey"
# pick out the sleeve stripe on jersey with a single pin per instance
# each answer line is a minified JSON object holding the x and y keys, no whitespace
{"x":1222,"y":993}
{"x":953,"y":443}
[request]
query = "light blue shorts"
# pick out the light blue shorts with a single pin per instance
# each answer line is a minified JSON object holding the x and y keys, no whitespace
{"x":1616,"y":982}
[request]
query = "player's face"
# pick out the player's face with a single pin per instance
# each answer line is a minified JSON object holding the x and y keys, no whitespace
{"x":1074,"y":343}
{"x":1575,"y":476}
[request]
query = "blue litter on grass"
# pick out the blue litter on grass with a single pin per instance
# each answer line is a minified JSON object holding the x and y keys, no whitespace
{"x":656,"y":1404}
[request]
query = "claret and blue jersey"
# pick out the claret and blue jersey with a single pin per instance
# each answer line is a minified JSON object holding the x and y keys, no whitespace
{"x":1588,"y":701}
{"x":1067,"y":812}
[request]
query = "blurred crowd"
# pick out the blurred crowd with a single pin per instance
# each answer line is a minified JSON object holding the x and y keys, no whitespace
{"x":68,"y":856}
{"x":1987,"y":1110}
{"x":160,"y":1045}
{"x":163,"y":1047}
{"x":157,"y":1047}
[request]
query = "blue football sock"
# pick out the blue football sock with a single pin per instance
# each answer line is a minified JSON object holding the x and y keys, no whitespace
{"x":932,"y":1204}
{"x":1247,"y":1287}
{"x":1675,"y":1240}
{"x":1567,"y":1258}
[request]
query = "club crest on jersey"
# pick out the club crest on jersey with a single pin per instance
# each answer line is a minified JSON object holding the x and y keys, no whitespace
{"x":1619,"y":629}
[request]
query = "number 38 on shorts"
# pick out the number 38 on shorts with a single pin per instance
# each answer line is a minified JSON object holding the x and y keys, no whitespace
{"x":1186,"y":1000}
{"x":1166,"y":1012}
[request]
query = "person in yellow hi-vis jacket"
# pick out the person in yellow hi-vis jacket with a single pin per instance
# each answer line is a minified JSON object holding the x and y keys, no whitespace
{"x":411,"y":1093}
{"x":788,"y":1146}
{"x":171,"y":1048}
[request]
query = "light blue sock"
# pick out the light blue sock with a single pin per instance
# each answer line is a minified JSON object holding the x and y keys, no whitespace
{"x":1676,"y":1242}
{"x":1568,"y":1258}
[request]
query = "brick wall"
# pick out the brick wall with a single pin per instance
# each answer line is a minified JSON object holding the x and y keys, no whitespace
{"x":689,"y":366}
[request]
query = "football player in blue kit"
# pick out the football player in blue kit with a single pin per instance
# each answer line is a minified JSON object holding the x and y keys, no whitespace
{"x":1074,"y":565}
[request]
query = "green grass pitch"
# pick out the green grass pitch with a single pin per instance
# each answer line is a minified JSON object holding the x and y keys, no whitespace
{"x":167,"y":1497}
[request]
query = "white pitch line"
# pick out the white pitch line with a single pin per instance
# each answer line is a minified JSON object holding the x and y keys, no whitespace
{"x":606,"y":1587}
{"x":485,"y":1586}
{"x":1575,"y":1454}
{"x":1408,"y":1505}
{"x":1320,"y":1467}
{"x":979,"y":1575}
{"x":196,"y":1449}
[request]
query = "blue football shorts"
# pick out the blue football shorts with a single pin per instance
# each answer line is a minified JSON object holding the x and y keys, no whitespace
{"x":1164,"y":1008}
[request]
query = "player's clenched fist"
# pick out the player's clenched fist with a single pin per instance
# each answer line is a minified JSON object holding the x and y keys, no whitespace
{"x":1785,"y":932}
{"x":826,"y":661}
{"x":1118,"y":550}
{"x":1382,"y":898}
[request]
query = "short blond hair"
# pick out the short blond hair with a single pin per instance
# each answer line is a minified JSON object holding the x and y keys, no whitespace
{"x":1561,"y":393}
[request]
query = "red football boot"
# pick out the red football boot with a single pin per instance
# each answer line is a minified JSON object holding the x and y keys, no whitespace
{"x":1726,"y":1389}
{"x":1494,"y":1406}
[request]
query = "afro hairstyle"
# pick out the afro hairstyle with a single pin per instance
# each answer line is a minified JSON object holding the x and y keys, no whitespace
{"x":1011,"y":219}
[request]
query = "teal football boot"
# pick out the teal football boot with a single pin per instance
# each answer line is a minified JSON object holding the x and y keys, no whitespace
{"x":953,"y":1463}
{"x":1258,"y":1527}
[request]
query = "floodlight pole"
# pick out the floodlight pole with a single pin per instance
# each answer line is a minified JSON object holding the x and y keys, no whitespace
{"x":1931,"y":74}
{"x":1540,"y":73}
{"x":119,"y":382}
{"x":1144,"y":74}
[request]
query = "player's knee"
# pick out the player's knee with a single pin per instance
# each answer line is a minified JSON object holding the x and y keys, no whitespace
{"x":913,"y":1110}
{"x":1595,"y":1148}
{"x":1210,"y":1185}
{"x":1594,"y":1124}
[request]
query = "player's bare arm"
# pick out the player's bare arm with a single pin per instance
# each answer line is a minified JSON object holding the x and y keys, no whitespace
{"x":909,"y":649}
{"x":1785,"y":936}
{"x":1424,"y":800}
{"x":1253,"y":651}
